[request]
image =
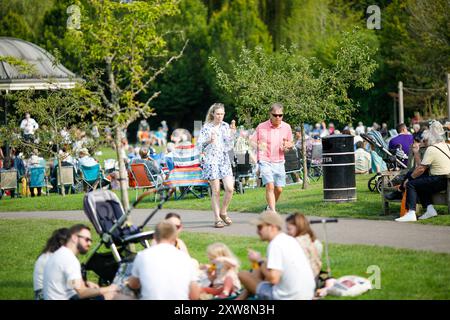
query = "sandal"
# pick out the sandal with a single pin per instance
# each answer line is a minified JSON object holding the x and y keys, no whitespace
{"x":218,"y":224}
{"x":226,"y":219}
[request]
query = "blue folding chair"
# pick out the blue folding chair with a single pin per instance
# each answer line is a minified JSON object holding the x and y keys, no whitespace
{"x":37,"y":178}
{"x":91,"y":176}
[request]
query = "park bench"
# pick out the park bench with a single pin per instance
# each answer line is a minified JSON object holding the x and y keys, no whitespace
{"x":440,"y":198}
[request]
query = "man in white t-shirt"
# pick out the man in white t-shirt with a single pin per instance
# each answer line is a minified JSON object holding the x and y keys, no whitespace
{"x":62,"y":273}
{"x":163,"y":272}
{"x":286,"y":274}
{"x":28,"y":126}
{"x":85,"y":159}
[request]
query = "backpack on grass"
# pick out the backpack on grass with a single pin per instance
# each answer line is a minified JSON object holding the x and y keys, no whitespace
{"x":349,"y":286}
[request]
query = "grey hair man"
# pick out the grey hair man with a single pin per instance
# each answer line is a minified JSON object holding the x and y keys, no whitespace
{"x":430,"y":176}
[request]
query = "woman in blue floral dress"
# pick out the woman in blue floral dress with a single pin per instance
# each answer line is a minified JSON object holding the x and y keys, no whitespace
{"x":215,"y":140}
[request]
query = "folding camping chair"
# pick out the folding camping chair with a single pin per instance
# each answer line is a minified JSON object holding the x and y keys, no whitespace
{"x":8,"y":181}
{"x":110,"y":165}
{"x":67,"y":177}
{"x":242,"y":171}
{"x":37,"y":178}
{"x":91,"y":176}
{"x":292,"y":164}
{"x":187,"y":173}
{"x":144,"y":178}
{"x":315,"y":168}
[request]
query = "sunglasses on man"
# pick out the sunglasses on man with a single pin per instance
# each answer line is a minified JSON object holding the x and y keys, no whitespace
{"x":85,"y":238}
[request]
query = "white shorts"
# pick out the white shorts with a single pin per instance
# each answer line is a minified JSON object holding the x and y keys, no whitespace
{"x":272,"y":172}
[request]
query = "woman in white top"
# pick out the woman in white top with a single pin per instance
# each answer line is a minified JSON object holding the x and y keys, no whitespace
{"x":215,"y":141}
{"x":58,"y":239}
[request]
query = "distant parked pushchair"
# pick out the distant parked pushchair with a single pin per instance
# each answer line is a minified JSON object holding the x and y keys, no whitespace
{"x":106,"y":213}
{"x":392,"y":158}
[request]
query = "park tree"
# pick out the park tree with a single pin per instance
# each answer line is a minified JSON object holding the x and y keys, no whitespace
{"x":23,"y":18}
{"x":185,"y":84}
{"x":308,"y":90}
{"x":415,"y":49}
{"x":235,"y":25}
{"x":121,"y":54}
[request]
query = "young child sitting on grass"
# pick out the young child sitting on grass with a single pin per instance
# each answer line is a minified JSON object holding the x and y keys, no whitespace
{"x":222,"y":271}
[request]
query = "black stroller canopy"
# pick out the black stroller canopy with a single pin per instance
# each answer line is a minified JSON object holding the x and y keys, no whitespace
{"x":101,"y":207}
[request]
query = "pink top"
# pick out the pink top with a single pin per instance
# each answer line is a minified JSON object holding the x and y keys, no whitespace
{"x":270,"y":139}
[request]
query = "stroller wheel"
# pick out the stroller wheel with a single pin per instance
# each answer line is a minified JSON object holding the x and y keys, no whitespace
{"x":372,"y":183}
{"x":388,"y":184}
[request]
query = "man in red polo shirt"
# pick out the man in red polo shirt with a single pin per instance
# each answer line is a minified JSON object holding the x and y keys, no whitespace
{"x":272,"y":139}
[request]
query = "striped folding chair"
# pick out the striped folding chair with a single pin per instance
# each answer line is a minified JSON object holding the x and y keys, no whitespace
{"x":187,"y":173}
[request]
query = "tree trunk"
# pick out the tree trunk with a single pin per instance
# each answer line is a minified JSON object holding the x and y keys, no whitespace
{"x":304,"y":158}
{"x":122,"y":170}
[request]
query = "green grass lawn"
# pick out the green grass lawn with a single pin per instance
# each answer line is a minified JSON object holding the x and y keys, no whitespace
{"x":405,"y":274}
{"x":309,"y":201}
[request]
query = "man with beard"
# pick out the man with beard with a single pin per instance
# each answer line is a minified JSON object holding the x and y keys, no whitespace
{"x":62,"y":273}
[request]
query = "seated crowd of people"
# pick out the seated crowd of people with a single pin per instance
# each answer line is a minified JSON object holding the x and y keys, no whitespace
{"x":289,"y":271}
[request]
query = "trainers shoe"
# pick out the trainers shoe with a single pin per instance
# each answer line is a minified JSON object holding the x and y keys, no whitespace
{"x":428,"y":214}
{"x":409,"y":217}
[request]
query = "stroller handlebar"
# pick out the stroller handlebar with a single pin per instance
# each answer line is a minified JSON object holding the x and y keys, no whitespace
{"x":332,"y":220}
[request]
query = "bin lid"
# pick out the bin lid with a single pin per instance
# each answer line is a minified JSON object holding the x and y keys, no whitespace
{"x":338,"y":136}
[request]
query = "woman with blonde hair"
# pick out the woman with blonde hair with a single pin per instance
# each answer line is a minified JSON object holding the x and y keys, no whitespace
{"x":298,"y":227}
{"x":215,"y":141}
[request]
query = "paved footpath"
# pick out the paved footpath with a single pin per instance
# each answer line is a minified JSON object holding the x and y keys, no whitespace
{"x":346,"y":231}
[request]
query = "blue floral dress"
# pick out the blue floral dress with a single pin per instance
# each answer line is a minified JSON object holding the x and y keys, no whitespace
{"x":216,"y":161}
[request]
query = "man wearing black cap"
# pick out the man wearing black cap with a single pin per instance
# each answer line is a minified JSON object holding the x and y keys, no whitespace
{"x":286,"y":274}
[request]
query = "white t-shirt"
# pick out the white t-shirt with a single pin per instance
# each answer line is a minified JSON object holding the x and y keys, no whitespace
{"x":38,"y":273}
{"x":285,"y":254}
{"x":437,"y":160}
{"x":165,"y":273}
{"x":87,"y":161}
{"x":61,"y":268}
{"x":29,"y":126}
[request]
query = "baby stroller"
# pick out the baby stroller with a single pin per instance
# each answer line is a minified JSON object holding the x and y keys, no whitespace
{"x":105,"y":211}
{"x":392,"y":158}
